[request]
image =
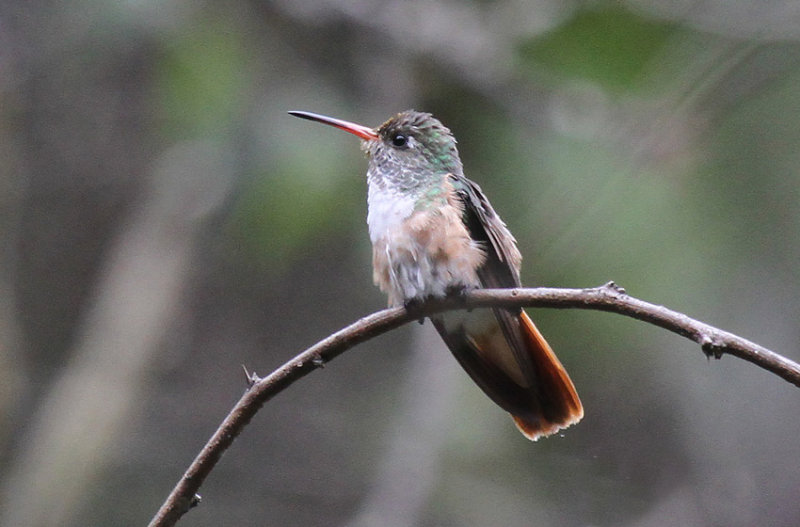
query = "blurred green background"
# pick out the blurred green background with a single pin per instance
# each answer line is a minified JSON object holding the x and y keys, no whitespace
{"x":164,"y":221}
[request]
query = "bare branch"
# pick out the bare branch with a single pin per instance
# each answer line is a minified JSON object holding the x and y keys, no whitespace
{"x":609,"y":297}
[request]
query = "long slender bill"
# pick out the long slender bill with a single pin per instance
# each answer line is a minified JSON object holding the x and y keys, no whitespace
{"x":361,"y":131}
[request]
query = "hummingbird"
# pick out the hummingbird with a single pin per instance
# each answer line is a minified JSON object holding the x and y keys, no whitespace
{"x":434,"y":233}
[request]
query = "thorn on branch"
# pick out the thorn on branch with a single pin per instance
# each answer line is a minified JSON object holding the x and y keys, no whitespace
{"x":250,"y":377}
{"x":612,"y":286}
{"x":195,"y":501}
{"x":318,"y":361}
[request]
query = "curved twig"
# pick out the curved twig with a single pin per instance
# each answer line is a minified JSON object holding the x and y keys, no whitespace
{"x":609,"y":297}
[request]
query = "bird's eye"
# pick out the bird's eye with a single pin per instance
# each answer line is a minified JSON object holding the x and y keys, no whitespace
{"x":399,"y":140}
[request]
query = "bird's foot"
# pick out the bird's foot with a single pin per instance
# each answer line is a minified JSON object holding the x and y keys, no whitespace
{"x":458,"y":292}
{"x":415,"y":304}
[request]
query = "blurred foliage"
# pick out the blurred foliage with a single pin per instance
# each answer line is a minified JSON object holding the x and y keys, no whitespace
{"x":652,"y":143}
{"x":202,"y":79}
{"x":608,"y":45}
{"x":289,"y":209}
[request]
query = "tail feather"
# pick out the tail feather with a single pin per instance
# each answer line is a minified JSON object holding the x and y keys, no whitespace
{"x":515,"y":366}
{"x":558,"y":400}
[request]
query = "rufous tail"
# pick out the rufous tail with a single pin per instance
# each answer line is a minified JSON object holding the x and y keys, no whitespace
{"x":558,"y":403}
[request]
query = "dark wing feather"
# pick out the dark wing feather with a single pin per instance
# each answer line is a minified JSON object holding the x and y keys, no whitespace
{"x":501,"y":269}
